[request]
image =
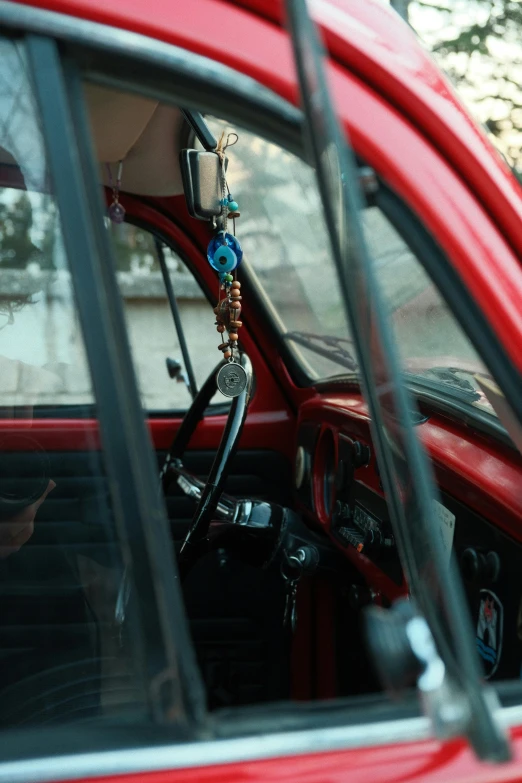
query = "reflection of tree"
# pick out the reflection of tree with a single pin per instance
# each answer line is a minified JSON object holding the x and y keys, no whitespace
{"x":16,"y":247}
{"x":135,"y":251}
{"x":477,"y":42}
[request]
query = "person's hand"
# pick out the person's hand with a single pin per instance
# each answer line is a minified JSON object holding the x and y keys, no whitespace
{"x":17,"y":531}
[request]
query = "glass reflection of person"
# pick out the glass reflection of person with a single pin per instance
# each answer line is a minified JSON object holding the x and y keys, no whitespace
{"x":21,"y":386}
{"x":18,"y":529}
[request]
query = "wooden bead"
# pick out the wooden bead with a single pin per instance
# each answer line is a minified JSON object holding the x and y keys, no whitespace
{"x":223,"y":346}
{"x":234,"y":215}
{"x":233,"y":337}
{"x":220,"y":328}
{"x":227,"y":354}
{"x":236,"y":284}
{"x":236,"y":295}
{"x":235,"y":305}
{"x":236,"y":324}
{"x":216,"y":310}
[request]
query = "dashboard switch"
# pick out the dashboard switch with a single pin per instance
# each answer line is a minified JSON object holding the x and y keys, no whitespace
{"x":473,"y":566}
{"x":361,"y":455}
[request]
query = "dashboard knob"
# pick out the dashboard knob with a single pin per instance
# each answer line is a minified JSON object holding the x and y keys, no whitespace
{"x":473,"y":565}
{"x":492,"y":566}
{"x":361,"y":455}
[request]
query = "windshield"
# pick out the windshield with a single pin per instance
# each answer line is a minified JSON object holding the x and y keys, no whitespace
{"x":283,"y":233}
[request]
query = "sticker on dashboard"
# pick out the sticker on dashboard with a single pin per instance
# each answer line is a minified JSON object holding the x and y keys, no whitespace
{"x":489,"y":631}
{"x":446,"y":527}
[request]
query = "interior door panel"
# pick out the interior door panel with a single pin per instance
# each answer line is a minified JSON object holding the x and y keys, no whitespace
{"x":238,"y":637}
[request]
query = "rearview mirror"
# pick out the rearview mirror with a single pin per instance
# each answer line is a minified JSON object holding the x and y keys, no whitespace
{"x":202,"y":176}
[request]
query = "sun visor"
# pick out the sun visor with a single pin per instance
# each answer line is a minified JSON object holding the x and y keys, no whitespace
{"x":118,"y":119}
{"x":151,"y":167}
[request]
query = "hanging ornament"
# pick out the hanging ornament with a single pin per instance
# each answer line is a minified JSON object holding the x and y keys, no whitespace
{"x":224,"y":255}
{"x":224,"y":252}
{"x":116,"y":211}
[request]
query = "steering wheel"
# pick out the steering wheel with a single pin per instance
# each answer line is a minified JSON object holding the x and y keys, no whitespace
{"x":208,"y":493}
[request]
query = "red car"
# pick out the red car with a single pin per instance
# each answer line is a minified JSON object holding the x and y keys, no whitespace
{"x":260,"y":401}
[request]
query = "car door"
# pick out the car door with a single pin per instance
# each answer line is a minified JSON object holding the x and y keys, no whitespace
{"x":81,"y":628}
{"x":305,"y":751}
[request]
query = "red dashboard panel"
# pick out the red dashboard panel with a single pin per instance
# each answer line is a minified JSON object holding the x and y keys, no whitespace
{"x":476,"y":471}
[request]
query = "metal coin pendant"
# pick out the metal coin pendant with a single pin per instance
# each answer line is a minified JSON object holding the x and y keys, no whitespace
{"x":231,"y":379}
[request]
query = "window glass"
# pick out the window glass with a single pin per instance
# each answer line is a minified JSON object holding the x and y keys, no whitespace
{"x":38,"y":323}
{"x":152,"y":331}
{"x":284,"y":236}
{"x":431,"y":343}
{"x":65,"y":653}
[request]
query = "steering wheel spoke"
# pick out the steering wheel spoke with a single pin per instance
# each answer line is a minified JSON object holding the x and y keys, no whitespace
{"x":209,"y":494}
{"x":193,"y":487}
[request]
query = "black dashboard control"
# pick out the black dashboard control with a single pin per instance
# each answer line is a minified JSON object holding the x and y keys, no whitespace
{"x":306,"y":558}
{"x":361,"y":454}
{"x":342,"y":511}
{"x":360,"y":529}
{"x":473,"y":565}
{"x":480,"y":568}
{"x":359,"y":596}
{"x":493,"y":566}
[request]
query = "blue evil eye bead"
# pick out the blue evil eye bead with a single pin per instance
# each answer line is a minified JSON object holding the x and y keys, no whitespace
{"x":225,"y":260}
{"x":224,"y":252}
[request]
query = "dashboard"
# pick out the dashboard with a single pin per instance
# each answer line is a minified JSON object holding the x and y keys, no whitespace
{"x":338,"y":487}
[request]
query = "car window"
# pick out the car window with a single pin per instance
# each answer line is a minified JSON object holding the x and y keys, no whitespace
{"x":432,"y":345}
{"x":38,"y":323}
{"x":39,"y":326}
{"x":282,"y":227}
{"x":152,"y":333}
{"x":66,"y":600}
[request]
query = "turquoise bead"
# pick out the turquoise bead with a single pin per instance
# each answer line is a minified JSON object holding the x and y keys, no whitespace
{"x":224,"y":259}
{"x":233,"y":206}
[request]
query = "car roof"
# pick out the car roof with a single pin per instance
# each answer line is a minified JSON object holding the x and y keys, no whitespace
{"x":368,"y":38}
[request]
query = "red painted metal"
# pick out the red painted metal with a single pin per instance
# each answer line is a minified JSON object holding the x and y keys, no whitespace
{"x":263,"y":431}
{"x":415,"y":762}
